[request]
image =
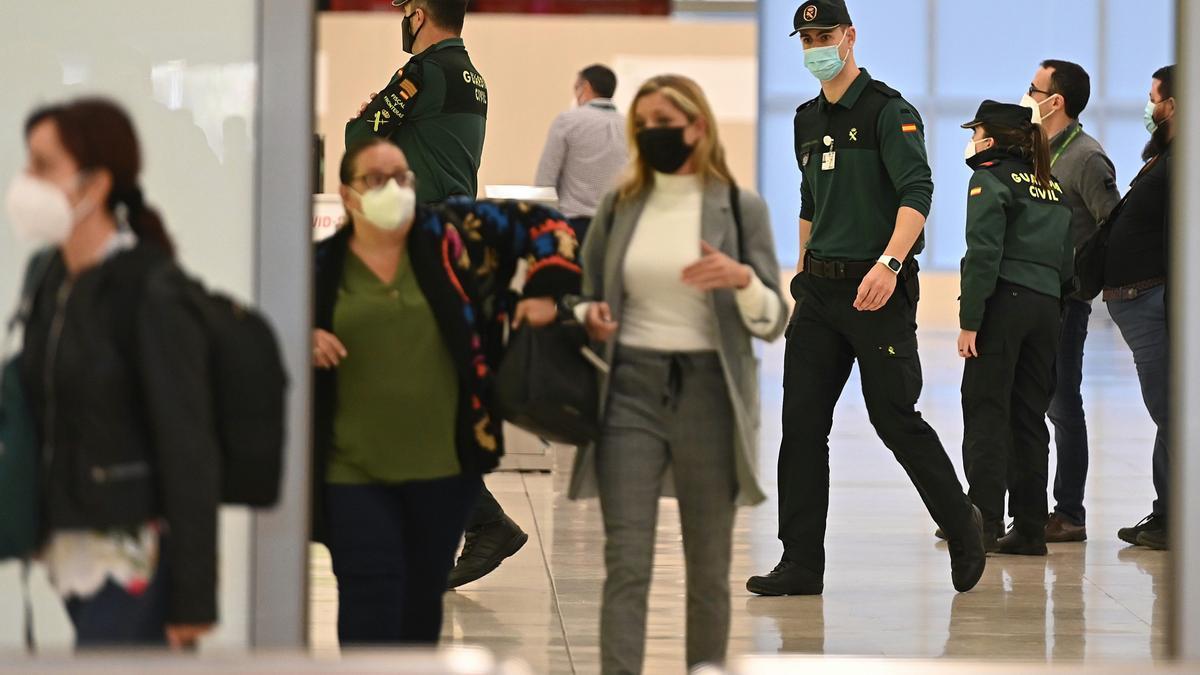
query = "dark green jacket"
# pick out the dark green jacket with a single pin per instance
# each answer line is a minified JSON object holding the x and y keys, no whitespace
{"x":435,"y":109}
{"x":880,"y":165}
{"x":1018,"y":231}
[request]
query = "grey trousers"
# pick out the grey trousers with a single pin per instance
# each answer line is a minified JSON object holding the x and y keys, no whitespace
{"x":668,"y":414}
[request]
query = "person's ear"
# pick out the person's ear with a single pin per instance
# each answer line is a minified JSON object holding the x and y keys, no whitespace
{"x":349,"y":199}
{"x":696,"y":131}
{"x":96,"y":186}
{"x":851,"y":37}
{"x":1170,"y":102}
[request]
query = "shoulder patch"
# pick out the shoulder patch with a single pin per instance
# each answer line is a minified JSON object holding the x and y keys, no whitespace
{"x":988,"y":165}
{"x":808,"y":104}
{"x":908,"y":127}
{"x":884,"y":89}
{"x":976,"y":191}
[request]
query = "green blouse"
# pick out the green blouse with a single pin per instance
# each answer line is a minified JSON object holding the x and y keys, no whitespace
{"x":397,"y":390}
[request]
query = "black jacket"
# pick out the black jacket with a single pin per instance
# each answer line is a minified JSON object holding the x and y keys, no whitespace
{"x":116,"y":367}
{"x":464,"y":254}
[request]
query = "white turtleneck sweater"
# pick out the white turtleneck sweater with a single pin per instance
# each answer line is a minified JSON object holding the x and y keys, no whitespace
{"x":661,"y":312}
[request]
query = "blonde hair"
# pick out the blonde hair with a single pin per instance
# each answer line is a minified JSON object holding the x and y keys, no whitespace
{"x":709,"y":154}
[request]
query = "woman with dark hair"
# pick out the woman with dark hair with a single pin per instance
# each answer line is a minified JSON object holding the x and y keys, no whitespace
{"x":115,"y":368}
{"x":1018,"y":263}
{"x":1136,"y":287}
{"x":412,"y":304}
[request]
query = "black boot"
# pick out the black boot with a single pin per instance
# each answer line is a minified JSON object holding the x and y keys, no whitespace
{"x":1017,"y":543}
{"x":788,"y":578}
{"x":968,"y":557}
{"x":485,"y":548}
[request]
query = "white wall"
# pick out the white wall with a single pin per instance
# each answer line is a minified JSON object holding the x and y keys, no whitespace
{"x":186,"y":71}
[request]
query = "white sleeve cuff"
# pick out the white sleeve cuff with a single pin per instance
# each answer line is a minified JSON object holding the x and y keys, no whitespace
{"x":756,"y":302}
{"x":581,"y":311}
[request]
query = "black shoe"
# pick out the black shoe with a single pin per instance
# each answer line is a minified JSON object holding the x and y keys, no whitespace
{"x":992,"y":534}
{"x":1150,"y":523}
{"x":484,"y":549}
{"x":1015,"y":543}
{"x":1155,"y":539}
{"x":788,"y":578}
{"x":968,"y":558}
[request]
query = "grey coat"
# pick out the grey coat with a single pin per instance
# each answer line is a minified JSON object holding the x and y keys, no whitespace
{"x":603,"y":260}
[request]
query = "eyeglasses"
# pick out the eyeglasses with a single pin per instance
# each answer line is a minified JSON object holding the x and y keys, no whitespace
{"x":374,"y":181}
{"x":1034,"y":90}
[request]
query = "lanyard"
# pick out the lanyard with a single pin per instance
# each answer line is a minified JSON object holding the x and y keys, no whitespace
{"x":1063,"y":148}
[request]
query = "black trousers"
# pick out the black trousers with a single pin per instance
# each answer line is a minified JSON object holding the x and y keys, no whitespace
{"x":1006,"y":392}
{"x":825,"y":337}
{"x":392,"y":548}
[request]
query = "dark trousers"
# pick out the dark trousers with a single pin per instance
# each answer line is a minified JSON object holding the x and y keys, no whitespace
{"x":1006,"y":391}
{"x":1066,"y":412}
{"x":114,"y":617}
{"x":487,"y":510}
{"x":392,"y":548}
{"x":580,"y":225}
{"x":1143,"y":324}
{"x":825,"y":337}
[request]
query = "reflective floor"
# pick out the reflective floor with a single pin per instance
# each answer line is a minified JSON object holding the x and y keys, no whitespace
{"x":887,"y":589}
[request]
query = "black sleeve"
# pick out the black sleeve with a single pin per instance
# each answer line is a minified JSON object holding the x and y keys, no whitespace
{"x":175,"y":377}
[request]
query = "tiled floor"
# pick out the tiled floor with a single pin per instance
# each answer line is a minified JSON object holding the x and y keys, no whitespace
{"x":887,"y":589}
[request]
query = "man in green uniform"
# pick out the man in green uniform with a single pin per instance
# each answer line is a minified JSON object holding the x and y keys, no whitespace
{"x":435,"y":109}
{"x":866,"y":190}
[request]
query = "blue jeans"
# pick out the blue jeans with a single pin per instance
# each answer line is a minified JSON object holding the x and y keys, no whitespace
{"x":1143,"y":324}
{"x":392,"y":548}
{"x":1066,"y":412}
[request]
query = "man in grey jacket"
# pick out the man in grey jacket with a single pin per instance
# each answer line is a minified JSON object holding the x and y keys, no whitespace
{"x":1061,"y":91}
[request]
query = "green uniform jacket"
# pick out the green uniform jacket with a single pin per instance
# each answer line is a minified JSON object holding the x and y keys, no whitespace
{"x":435,"y":109}
{"x":879,"y":164}
{"x":1018,"y":231}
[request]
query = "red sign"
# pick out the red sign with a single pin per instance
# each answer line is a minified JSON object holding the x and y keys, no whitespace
{"x":661,"y":7}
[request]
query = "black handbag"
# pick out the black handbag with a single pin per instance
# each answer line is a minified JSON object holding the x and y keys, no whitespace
{"x":547,"y":386}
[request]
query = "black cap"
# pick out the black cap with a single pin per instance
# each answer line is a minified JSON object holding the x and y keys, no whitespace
{"x":821,"y":14}
{"x":1008,"y":115}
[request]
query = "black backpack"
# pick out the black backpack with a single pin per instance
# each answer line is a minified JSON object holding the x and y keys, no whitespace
{"x":249,"y":385}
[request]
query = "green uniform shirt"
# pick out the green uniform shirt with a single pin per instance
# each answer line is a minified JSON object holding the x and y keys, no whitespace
{"x":398,"y":388}
{"x":878,"y":164}
{"x":435,"y":109}
{"x":1017,"y":230}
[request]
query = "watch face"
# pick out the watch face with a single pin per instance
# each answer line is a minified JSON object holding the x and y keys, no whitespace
{"x":894,"y":264}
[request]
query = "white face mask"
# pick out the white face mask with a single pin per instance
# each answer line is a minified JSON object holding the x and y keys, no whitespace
{"x":389,"y":207}
{"x":1036,"y":108}
{"x":972,"y":148}
{"x":39,"y":211}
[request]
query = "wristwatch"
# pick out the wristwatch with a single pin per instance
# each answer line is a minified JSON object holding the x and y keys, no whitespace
{"x":891,"y":263}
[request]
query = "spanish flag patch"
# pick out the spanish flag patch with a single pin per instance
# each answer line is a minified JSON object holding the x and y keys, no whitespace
{"x":908,"y":128}
{"x":976,"y":191}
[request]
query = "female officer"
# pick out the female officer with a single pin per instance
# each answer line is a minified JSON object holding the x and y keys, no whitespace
{"x":1019,"y":258}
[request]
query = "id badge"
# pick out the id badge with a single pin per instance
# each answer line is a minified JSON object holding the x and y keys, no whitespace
{"x":828,"y":160}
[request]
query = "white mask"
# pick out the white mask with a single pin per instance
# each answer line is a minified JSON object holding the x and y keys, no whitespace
{"x":1036,"y":108}
{"x":390,"y":206}
{"x":39,"y":211}
{"x":972,"y":148}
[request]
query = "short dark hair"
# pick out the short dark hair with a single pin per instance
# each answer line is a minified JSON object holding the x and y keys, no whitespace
{"x":1166,"y":79}
{"x":449,"y":14}
{"x":1072,"y":82}
{"x":601,"y":78}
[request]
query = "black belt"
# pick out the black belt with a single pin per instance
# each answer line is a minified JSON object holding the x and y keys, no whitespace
{"x":1132,"y":291}
{"x":838,"y":269}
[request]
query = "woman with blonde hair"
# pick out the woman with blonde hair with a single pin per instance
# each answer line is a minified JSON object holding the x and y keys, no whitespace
{"x":680,"y":274}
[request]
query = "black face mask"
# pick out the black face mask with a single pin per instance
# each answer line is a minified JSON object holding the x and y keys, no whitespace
{"x":663,"y":148}
{"x":408,"y":36}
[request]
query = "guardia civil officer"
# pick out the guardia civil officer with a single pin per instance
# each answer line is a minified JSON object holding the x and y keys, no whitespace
{"x":866,"y":189}
{"x":435,"y":109}
{"x":1019,"y":262}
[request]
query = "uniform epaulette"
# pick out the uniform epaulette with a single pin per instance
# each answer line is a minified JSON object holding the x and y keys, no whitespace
{"x":808,"y":104}
{"x":884,"y":89}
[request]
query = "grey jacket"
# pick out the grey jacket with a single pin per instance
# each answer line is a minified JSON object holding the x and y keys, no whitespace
{"x":603,"y":260}
{"x":1089,"y":182}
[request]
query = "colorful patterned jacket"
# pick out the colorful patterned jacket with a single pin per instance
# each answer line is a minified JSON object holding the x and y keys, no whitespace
{"x":464,"y":254}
